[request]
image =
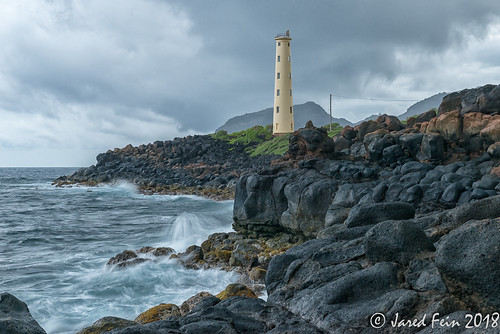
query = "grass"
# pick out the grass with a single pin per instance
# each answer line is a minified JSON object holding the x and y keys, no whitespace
{"x":276,"y":146}
{"x":336,"y":128}
{"x":251,"y":136}
{"x":259,"y":140}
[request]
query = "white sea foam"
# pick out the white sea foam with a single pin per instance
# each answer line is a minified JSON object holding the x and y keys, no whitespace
{"x":192,"y":229}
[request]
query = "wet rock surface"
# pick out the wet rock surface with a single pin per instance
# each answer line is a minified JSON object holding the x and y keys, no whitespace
{"x":15,"y":318}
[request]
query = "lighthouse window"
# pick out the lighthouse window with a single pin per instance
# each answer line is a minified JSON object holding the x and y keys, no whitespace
{"x":289,"y":59}
{"x":279,"y":43}
{"x":290,"y":92}
{"x":289,"y":75}
{"x":278,"y":59}
{"x":277,"y":109}
{"x":277,"y":126}
{"x":277,"y":92}
{"x":278,"y":75}
{"x":288,"y":44}
{"x":291,"y":110}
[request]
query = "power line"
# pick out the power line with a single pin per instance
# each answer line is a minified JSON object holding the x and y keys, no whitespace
{"x":373,"y":99}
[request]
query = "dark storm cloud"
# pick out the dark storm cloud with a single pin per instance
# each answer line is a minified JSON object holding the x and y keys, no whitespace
{"x":340,"y":46}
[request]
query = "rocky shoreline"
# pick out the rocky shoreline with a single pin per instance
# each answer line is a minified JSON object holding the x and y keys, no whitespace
{"x":384,"y":228}
{"x":194,"y":165}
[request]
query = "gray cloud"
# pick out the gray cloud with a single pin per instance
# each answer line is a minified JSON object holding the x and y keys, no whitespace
{"x":91,"y":75}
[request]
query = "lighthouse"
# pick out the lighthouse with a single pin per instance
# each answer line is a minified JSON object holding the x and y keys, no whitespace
{"x":283,"y":102}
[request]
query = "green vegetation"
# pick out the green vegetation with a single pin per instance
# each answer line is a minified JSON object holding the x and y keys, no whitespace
{"x":251,"y":136}
{"x":336,"y":128}
{"x":259,"y":140}
{"x":276,"y":146}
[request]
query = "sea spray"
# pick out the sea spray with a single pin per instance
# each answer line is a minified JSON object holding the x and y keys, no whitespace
{"x":192,"y":229}
{"x":55,"y":243}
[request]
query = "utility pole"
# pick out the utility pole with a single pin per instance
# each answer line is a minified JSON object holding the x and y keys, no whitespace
{"x":331,"y":112}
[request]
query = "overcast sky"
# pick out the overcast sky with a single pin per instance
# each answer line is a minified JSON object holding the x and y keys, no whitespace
{"x":80,"y":77}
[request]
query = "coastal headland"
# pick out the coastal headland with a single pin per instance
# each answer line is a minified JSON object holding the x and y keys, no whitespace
{"x":385,"y":227}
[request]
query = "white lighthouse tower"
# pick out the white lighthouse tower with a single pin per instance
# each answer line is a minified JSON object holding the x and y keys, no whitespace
{"x":283,"y":102}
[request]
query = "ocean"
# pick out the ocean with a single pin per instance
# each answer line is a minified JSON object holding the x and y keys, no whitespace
{"x":55,"y":242}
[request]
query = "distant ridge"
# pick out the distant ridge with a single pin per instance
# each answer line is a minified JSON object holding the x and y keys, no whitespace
{"x":302,"y":114}
{"x":422,"y":106}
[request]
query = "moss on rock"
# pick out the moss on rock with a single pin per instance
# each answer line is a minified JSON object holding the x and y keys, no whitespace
{"x":236,"y":290}
{"x":106,"y":324}
{"x":160,"y":312}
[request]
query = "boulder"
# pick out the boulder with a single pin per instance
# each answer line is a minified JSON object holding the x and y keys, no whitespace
{"x":312,"y":206}
{"x":341,"y":143}
{"x":473,"y":123}
{"x":425,"y":117}
{"x":348,"y":133}
{"x":308,"y":200}
{"x":379,"y":191}
{"x":392,"y":153}
{"x":337,"y":295}
{"x":415,"y":166}
{"x":487,"y":182}
{"x":236,"y":289}
{"x":191,"y":302}
{"x":349,"y":194}
{"x":375,"y":143}
{"x":446,"y":124}
{"x":423,"y":275}
{"x":431,"y":148}
{"x":254,"y":206}
{"x":494,"y":150}
{"x":468,"y":258}
{"x":336,"y":214}
{"x":396,"y":241}
{"x":106,"y":324}
{"x":484,"y":99}
{"x":310,"y":142}
{"x":245,"y":254}
{"x":487,"y":208}
{"x":452,"y":192}
{"x":391,"y":123}
{"x":411,"y":142}
{"x":367,"y":127}
{"x":15,"y":317}
{"x":125,"y":259}
{"x":375,"y":213}
{"x":157,"y":313}
{"x":491,"y":133}
{"x":432,"y":176}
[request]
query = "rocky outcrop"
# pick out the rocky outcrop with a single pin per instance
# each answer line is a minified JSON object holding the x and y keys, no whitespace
{"x":106,"y":324}
{"x":338,"y":282}
{"x":233,"y":315}
{"x":484,"y":99}
{"x":468,"y":259}
{"x":157,"y":313}
{"x":128,"y":257}
{"x":438,"y":163}
{"x":197,"y":164}
{"x":309,"y":142}
{"x":322,"y":194}
{"x":234,"y":310}
{"x":15,"y":318}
